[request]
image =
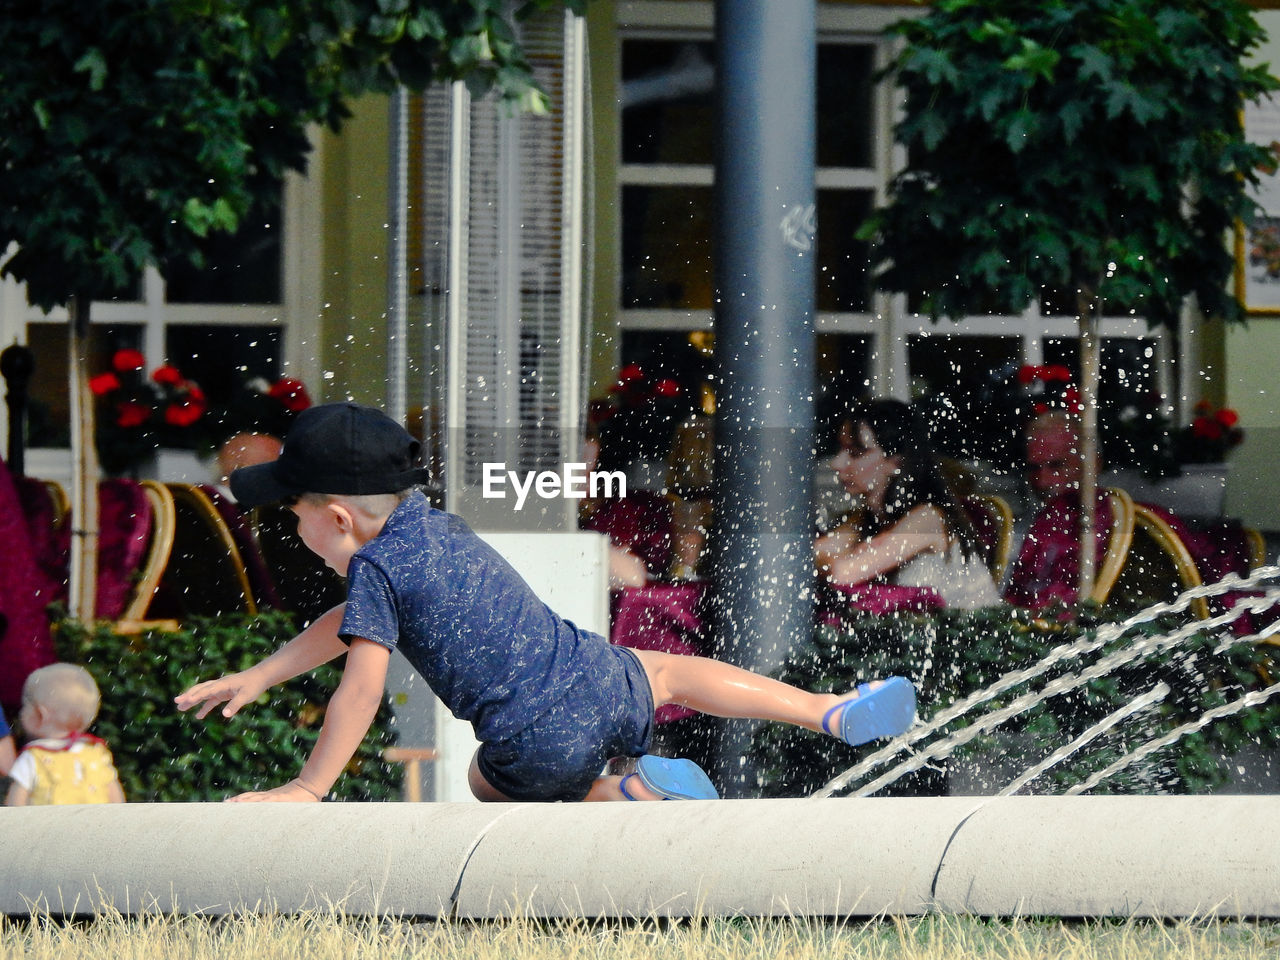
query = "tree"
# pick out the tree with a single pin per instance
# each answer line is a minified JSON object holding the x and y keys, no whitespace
{"x":130,"y":129}
{"x":1092,"y":147}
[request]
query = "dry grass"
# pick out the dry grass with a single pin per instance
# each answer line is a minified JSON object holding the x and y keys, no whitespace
{"x":321,"y":937}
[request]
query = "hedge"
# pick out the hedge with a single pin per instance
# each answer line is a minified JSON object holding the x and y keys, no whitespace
{"x":164,"y":755}
{"x":951,"y":654}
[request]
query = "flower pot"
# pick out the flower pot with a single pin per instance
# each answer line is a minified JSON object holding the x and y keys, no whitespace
{"x":1200,"y":490}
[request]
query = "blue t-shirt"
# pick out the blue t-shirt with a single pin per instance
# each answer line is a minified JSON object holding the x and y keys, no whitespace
{"x":494,"y":653}
{"x":4,"y":724}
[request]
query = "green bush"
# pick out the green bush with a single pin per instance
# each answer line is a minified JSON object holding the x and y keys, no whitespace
{"x":951,"y":654}
{"x":165,"y":755}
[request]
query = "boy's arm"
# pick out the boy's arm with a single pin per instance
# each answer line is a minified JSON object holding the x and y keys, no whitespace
{"x":315,"y":645}
{"x":346,"y":720}
{"x":17,"y":796}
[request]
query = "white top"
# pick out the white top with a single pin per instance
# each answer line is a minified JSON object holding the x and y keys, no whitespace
{"x":965,"y":584}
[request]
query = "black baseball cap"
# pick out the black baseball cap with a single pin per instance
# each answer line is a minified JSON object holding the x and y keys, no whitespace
{"x":340,"y":448}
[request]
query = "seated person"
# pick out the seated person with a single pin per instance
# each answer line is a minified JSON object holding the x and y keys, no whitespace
{"x":912,"y":530}
{"x":635,"y":439}
{"x":245,"y":450}
{"x":1047,"y":566}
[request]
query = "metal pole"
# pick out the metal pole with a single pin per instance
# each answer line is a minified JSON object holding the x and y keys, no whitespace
{"x":397,"y":249}
{"x":765,"y":237}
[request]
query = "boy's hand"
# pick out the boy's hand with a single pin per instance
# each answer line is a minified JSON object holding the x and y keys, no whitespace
{"x":291,"y":792}
{"x":235,"y":690}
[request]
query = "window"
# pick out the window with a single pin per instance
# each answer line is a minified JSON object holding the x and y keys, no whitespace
{"x":665,"y":182}
{"x":219,"y":325}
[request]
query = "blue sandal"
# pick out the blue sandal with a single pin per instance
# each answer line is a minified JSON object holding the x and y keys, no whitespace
{"x":671,"y":779}
{"x":885,"y":711}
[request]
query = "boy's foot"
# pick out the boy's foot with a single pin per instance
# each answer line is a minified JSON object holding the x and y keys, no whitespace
{"x":669,"y":779}
{"x":884,"y":709}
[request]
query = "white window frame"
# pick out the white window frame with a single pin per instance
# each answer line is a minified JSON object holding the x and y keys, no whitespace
{"x":297,"y":315}
{"x":888,"y":324}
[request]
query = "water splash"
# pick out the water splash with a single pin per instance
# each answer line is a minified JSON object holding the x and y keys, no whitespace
{"x":1143,"y":703}
{"x":1250,"y":699}
{"x":1105,"y":634}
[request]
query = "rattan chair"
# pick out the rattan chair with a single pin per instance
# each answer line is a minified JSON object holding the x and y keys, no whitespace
{"x":1159,"y":565}
{"x":999,"y":519}
{"x":1119,"y":541}
{"x":163,"y":525}
{"x":206,"y":574}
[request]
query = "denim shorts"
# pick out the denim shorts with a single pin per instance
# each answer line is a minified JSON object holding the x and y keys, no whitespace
{"x":559,"y":755}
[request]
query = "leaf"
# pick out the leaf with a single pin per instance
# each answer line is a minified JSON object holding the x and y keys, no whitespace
{"x":1034,"y":59}
{"x":934,"y":65}
{"x":94,"y":64}
{"x":1022,"y":125}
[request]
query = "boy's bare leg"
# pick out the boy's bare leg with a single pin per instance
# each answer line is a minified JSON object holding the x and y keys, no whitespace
{"x":724,"y":690}
{"x":481,"y":788}
{"x":608,"y":788}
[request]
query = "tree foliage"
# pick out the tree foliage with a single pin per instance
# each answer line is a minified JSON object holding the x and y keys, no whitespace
{"x":129,"y":129}
{"x":1068,"y":146}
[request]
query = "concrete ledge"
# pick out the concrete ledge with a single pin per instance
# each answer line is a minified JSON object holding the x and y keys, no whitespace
{"x":1085,"y":856}
{"x":1116,"y":856}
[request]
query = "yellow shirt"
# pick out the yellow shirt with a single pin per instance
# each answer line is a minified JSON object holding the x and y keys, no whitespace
{"x":78,"y":769}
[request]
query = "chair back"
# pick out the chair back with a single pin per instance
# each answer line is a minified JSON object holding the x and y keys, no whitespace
{"x":163,"y":525}
{"x":125,"y":524}
{"x":1119,"y":541}
{"x":992,"y":519}
{"x":1159,"y":565}
{"x":246,"y":539}
{"x":1257,"y":547}
{"x":205,"y":575}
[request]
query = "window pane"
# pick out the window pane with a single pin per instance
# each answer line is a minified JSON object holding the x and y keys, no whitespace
{"x":666,"y":247}
{"x":961,"y":385}
{"x":1130,"y":404}
{"x":49,"y":405}
{"x":844,"y":104}
{"x":243,"y":267}
{"x":842,"y":367}
{"x":668,"y":105}
{"x":843,"y":282}
{"x":221,"y":358}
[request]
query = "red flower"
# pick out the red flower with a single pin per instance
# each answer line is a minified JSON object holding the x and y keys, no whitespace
{"x":1206,"y":428}
{"x":630,"y":373}
{"x":1228,"y":417}
{"x":667,"y":388}
{"x":126,"y":361}
{"x":167,"y":375}
{"x":185,"y":412}
{"x":132,"y":414}
{"x":103,"y":384}
{"x":291,"y":393}
{"x":1056,"y":371}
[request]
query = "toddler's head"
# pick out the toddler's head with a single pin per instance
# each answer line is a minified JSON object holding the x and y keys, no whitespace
{"x":59,"y":699}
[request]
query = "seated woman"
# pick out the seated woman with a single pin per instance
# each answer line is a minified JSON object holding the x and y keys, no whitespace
{"x":912,"y":531}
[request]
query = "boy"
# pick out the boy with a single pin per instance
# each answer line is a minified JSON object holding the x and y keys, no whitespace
{"x":61,"y":763}
{"x":550,"y":703}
